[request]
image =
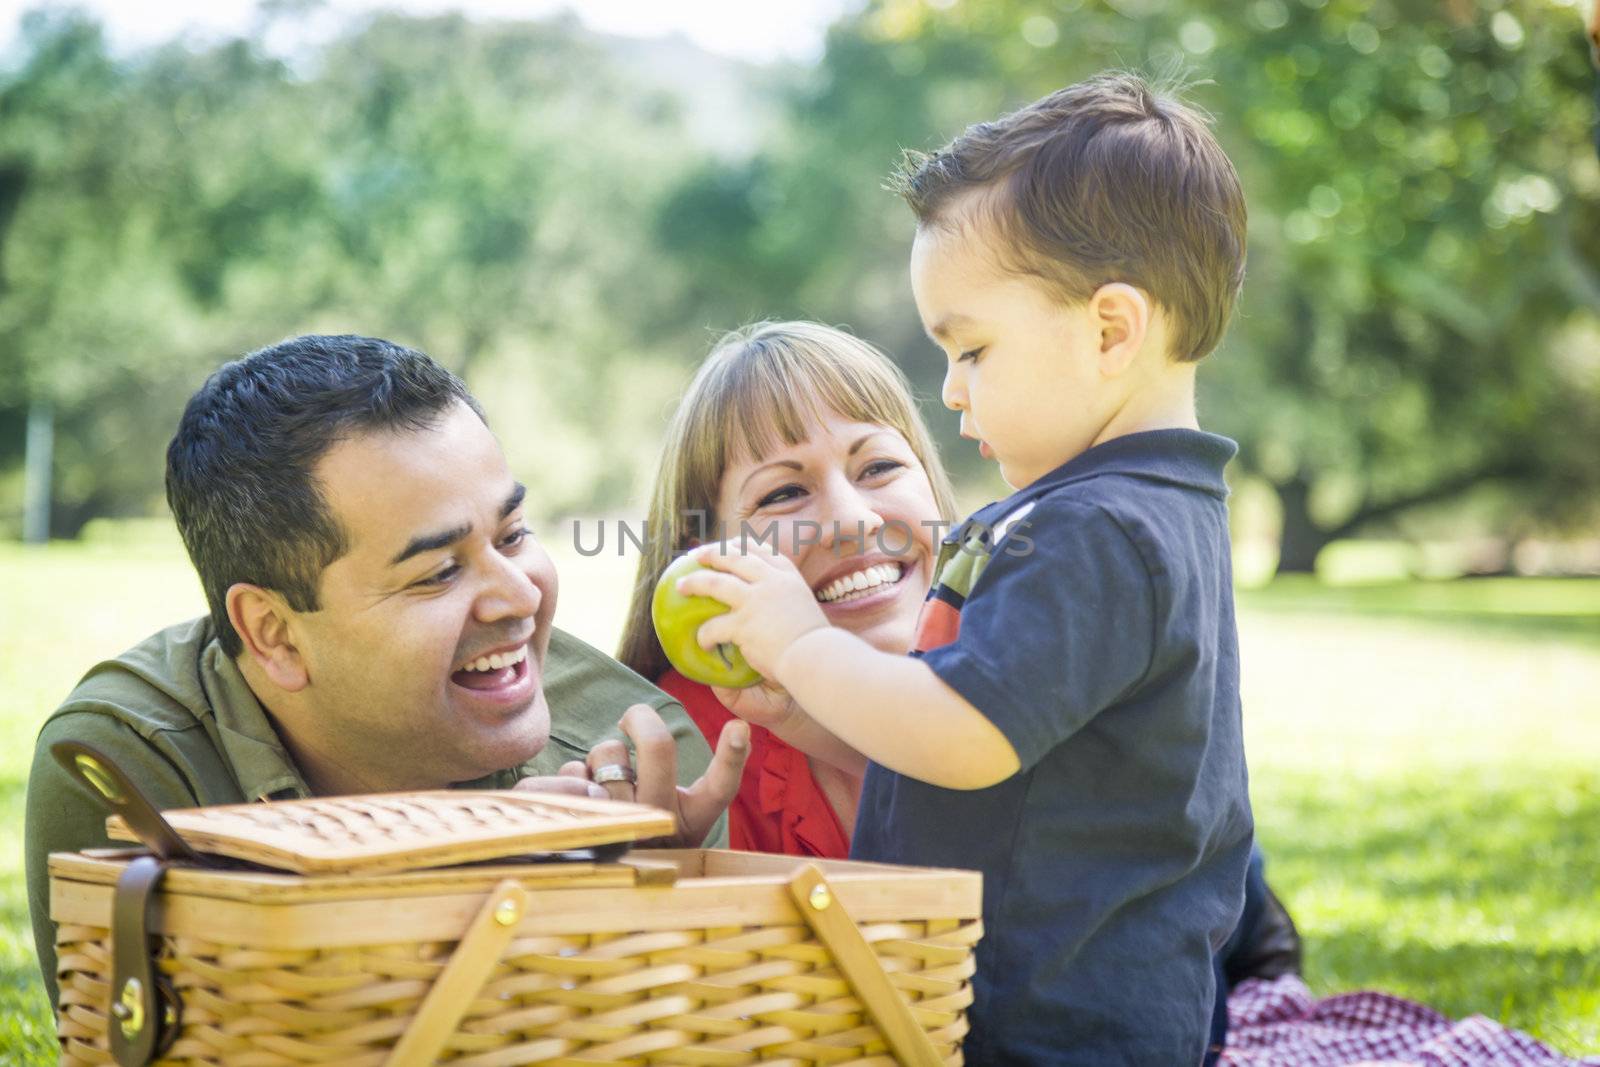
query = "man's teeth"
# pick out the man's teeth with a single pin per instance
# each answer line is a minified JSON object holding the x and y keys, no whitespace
{"x":499,"y":661}
{"x":860,"y":581}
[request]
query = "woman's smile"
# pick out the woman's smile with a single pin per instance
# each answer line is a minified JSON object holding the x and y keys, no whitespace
{"x":866,"y":586}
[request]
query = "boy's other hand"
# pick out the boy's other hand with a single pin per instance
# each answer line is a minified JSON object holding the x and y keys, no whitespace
{"x":771,"y":707}
{"x":766,"y":704}
{"x":770,"y":606}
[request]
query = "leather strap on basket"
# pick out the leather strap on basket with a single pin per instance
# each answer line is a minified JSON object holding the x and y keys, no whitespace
{"x":118,"y":794}
{"x":144,"y":1009}
{"x":860,"y":966}
{"x":476,"y":954}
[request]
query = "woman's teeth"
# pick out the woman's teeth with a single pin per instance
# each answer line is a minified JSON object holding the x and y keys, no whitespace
{"x":847,"y":587}
{"x":499,"y":661}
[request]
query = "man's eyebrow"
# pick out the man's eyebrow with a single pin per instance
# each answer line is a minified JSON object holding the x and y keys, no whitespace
{"x":445,"y":538}
{"x":431,"y":542}
{"x":513,"y":501}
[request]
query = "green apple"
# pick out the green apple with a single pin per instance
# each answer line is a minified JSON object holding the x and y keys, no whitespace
{"x":677,"y":619}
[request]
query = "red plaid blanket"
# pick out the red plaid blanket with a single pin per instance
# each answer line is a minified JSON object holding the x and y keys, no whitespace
{"x":1280,"y":1024}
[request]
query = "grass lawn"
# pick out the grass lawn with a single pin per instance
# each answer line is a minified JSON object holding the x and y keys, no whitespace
{"x":1425,"y":769}
{"x":1425,"y":763}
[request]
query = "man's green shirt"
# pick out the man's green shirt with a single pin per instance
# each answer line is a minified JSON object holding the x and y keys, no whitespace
{"x":175,"y":713}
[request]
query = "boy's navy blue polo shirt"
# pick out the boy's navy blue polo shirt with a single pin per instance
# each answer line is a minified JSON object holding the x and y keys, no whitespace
{"x":1089,"y":616}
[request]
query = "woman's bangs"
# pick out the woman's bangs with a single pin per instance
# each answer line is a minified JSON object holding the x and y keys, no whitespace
{"x":773,"y":402}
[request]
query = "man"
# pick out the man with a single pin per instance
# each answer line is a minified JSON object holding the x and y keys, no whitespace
{"x":380,"y":619}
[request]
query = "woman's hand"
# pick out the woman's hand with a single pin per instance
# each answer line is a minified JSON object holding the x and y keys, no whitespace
{"x":655,"y":780}
{"x":770,"y":606}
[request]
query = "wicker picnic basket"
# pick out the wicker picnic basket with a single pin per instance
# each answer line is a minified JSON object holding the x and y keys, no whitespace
{"x":361,"y":948}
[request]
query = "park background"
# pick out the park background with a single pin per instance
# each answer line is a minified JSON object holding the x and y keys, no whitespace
{"x":569,"y":216}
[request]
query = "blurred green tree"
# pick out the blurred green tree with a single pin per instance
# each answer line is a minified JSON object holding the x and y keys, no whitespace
{"x":489,"y":180}
{"x":1425,"y":247}
{"x":493,"y":187}
{"x":153,"y":224}
{"x":483,"y":190}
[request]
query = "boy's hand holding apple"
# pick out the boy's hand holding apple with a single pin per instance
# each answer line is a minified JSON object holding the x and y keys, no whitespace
{"x":770,"y":606}
{"x":776,"y":608}
{"x":677,"y":618}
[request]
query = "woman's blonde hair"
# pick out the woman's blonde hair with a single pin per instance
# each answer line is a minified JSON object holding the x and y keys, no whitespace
{"x":760,"y":384}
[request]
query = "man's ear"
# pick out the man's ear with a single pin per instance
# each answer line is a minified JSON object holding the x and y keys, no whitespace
{"x":1121,"y":314}
{"x":262,"y":620}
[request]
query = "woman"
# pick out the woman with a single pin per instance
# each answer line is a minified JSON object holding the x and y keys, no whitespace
{"x":811,"y":437}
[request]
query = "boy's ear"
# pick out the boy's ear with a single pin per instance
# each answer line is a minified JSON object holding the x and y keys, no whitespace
{"x":262,"y":619}
{"x":1121,"y":314}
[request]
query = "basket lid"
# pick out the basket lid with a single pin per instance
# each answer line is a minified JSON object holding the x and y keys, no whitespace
{"x":402,"y":831}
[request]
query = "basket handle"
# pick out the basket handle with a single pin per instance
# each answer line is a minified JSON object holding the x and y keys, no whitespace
{"x":832,"y":925}
{"x":476,"y":954}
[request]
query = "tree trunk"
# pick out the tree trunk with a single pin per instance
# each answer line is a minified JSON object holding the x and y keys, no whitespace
{"x":36,"y":465}
{"x":1300,"y":539}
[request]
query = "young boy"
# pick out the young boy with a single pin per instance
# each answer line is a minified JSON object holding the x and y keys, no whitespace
{"x":1069,"y":720}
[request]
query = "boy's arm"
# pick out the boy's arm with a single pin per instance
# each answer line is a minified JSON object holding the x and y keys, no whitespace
{"x":1060,"y":626}
{"x":890,"y":708}
{"x":895,"y":711}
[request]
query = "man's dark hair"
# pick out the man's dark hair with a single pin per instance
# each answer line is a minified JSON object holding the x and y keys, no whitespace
{"x":1108,"y":180}
{"x":241,"y":476}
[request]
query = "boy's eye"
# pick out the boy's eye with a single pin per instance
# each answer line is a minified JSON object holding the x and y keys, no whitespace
{"x":970,"y":355}
{"x":515,"y":537}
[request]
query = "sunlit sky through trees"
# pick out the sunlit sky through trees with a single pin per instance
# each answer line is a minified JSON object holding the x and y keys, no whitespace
{"x":790,"y":29}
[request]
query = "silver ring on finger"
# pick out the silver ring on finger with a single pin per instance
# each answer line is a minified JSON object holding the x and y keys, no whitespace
{"x":615,"y":772}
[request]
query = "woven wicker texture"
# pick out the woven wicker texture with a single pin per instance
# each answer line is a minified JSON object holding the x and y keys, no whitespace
{"x":711,"y":997}
{"x":386,"y":832}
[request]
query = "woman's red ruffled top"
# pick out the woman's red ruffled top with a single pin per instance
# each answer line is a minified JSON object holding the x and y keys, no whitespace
{"x":779,"y":806}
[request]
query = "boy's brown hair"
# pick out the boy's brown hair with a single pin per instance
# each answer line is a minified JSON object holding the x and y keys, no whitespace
{"x":1104,"y":181}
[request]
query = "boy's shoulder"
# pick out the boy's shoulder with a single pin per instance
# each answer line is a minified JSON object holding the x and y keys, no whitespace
{"x":1122,"y":481}
{"x":1148,"y":507}
{"x":1137,"y":465}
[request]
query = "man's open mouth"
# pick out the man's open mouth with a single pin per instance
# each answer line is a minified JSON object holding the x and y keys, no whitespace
{"x":493,"y":671}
